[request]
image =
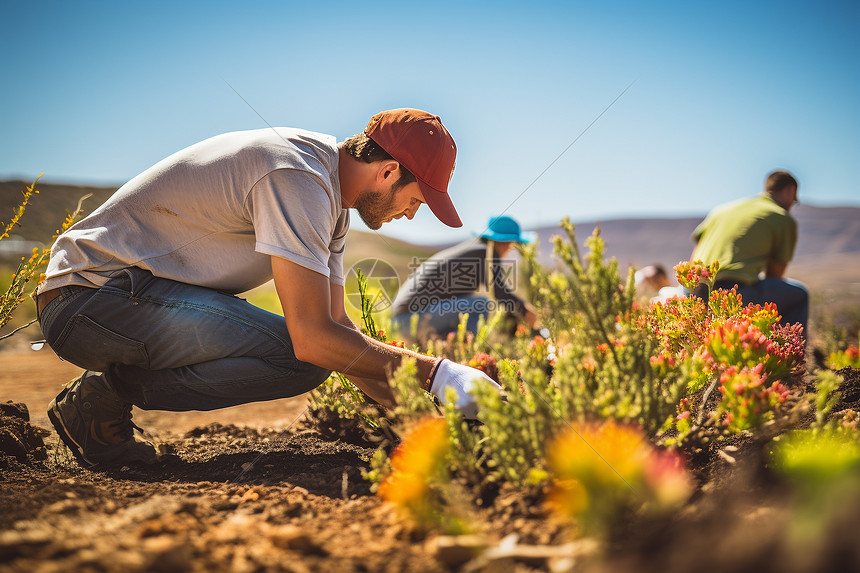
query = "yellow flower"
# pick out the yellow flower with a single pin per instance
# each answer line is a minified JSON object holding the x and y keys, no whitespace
{"x":423,"y":448}
{"x":567,"y":498}
{"x":606,"y":468}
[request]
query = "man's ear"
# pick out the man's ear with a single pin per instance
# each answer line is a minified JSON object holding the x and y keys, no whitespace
{"x":387,"y":168}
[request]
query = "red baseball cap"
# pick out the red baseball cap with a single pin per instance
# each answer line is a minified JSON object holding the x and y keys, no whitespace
{"x":420,"y":142}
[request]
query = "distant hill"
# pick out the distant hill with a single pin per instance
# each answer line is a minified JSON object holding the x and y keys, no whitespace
{"x":827,"y":257}
{"x":48,"y":209}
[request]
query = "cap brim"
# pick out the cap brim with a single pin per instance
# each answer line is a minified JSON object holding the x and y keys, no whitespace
{"x":523,"y":238}
{"x":440,"y":204}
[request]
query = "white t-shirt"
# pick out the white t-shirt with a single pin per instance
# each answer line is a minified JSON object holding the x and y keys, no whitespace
{"x":213,"y":213}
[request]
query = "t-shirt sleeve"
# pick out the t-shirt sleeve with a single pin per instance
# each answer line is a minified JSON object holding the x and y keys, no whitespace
{"x":785,"y":241}
{"x":292,"y":216}
{"x":699,"y":231}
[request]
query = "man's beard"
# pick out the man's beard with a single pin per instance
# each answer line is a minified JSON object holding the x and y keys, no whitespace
{"x":374,"y":208}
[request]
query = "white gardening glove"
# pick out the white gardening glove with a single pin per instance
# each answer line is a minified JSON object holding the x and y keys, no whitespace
{"x":463,"y":379}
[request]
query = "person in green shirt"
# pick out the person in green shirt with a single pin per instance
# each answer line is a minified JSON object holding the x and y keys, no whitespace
{"x":754,"y":240}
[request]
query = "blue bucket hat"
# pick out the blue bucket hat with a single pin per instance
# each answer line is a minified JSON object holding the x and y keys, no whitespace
{"x":503,"y":229}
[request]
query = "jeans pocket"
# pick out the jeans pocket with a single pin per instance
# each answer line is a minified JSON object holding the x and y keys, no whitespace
{"x":87,"y":344}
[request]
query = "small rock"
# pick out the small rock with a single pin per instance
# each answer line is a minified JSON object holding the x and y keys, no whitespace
{"x":11,"y":445}
{"x":167,"y":554}
{"x":17,"y":543}
{"x":15,"y":410}
{"x":454,"y":550}
{"x":295,"y":539}
{"x":62,"y":506}
{"x":225,"y":505}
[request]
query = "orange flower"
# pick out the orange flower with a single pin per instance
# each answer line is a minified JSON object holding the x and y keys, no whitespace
{"x":589,"y":364}
{"x":419,"y":458}
{"x":416,"y":463}
{"x":404,"y":489}
{"x":422,"y":448}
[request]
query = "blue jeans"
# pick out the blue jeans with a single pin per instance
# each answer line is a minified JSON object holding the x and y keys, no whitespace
{"x":165,"y":345}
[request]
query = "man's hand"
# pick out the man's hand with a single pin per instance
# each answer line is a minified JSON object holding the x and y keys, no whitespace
{"x":775,"y":270}
{"x":322,"y":334}
{"x":531,"y":316}
{"x":463,"y":379}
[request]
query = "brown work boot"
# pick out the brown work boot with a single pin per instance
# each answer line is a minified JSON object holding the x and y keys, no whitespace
{"x":96,"y":424}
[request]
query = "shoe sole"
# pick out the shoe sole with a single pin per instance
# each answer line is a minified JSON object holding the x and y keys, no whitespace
{"x":60,"y":426}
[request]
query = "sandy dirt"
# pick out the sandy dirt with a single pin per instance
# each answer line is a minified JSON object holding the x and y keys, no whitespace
{"x":240,"y":492}
{"x":244,"y":491}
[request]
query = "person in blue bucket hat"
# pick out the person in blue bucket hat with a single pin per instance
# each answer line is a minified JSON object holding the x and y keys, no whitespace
{"x":454,"y":281}
{"x":504,"y":229}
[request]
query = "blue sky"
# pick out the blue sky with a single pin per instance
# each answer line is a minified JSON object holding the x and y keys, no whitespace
{"x":722,"y":93}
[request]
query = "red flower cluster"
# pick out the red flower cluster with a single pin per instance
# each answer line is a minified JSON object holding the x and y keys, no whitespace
{"x":748,"y":399}
{"x":663,"y":362}
{"x":380,"y":336}
{"x":678,"y":324}
{"x":538,"y":342}
{"x":743,"y":344}
{"x":739,"y":342}
{"x":691,"y":273}
{"x":684,"y":407}
{"x":486,"y":364}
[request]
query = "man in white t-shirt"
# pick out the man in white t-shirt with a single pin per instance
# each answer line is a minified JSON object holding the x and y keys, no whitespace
{"x":141,"y":292}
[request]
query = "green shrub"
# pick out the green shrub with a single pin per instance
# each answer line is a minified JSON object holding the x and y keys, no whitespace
{"x":605,"y":361}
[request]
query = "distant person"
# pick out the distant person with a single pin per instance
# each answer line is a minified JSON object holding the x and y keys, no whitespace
{"x":652,"y":285}
{"x":649,"y":280}
{"x":141,"y":292}
{"x":454,"y":281}
{"x":754,"y":240}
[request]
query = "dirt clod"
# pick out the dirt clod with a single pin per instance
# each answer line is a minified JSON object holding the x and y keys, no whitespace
{"x":18,"y":438}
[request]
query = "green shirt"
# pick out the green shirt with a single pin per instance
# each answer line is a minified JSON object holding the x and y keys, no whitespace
{"x":744,"y":235}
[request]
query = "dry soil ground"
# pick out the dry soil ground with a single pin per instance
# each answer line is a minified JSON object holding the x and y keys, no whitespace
{"x":246,"y":490}
{"x":239,"y":493}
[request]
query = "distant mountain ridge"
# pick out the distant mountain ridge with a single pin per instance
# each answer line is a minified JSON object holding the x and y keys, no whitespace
{"x":827,"y":256}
